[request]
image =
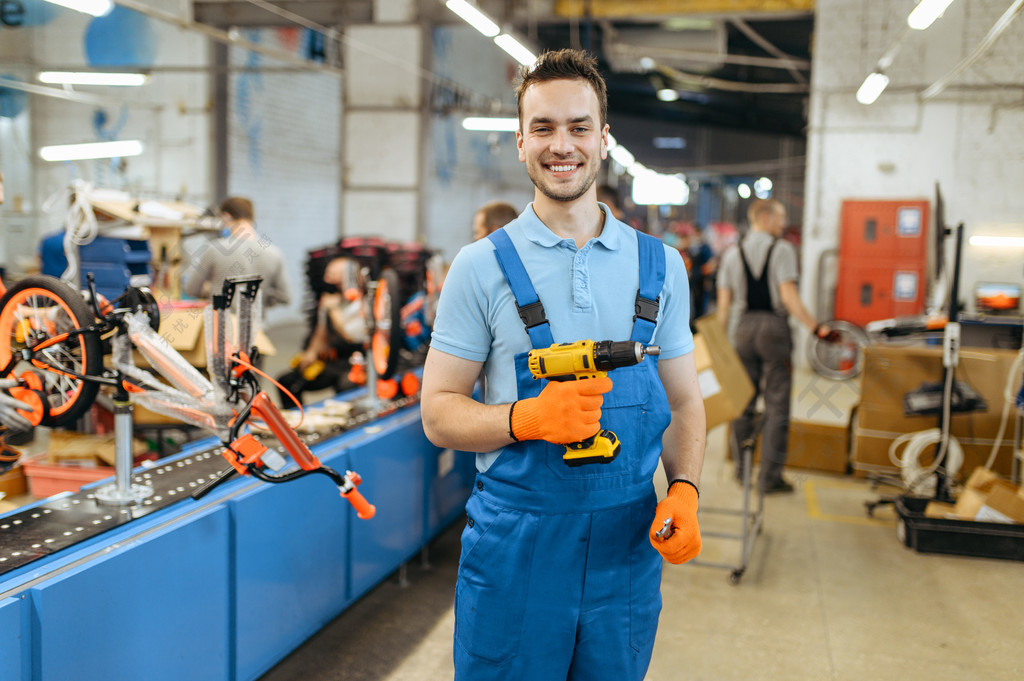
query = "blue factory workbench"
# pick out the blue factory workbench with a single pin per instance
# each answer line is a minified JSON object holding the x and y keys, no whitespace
{"x":225,"y":587}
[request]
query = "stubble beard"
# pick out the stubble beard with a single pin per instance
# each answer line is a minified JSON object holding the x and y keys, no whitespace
{"x":536,"y":174}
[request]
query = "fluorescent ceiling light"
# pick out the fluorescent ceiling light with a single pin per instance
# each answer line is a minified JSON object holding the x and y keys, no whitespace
{"x":655,"y":189}
{"x":925,"y":13}
{"x":667,"y":94}
{"x":474,"y":17}
{"x":872,"y":87}
{"x":85,"y":78}
{"x":515,"y":49}
{"x":622,"y":156}
{"x":96,"y":8}
{"x":997,"y":241}
{"x":80,"y":152}
{"x":490,"y":124}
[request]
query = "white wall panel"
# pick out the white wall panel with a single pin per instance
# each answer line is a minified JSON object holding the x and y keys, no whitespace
{"x":391,"y":215}
{"x":382,"y":65}
{"x":382,"y":149}
{"x":283,"y":153}
{"x":967,"y":139}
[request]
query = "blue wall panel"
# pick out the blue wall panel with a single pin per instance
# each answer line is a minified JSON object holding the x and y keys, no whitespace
{"x":226,"y":590}
{"x":13,"y":646}
{"x":154,"y":608}
{"x":392,"y":465}
{"x":449,"y":479}
{"x":292,"y":563}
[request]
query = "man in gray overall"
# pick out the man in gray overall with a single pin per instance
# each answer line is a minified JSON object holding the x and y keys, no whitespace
{"x":757,"y":288}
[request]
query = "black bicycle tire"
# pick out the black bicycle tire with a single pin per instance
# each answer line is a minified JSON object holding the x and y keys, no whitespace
{"x":389,"y":328}
{"x":88,"y":344}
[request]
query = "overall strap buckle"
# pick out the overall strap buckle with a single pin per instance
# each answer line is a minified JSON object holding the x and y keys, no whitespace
{"x":646,"y":308}
{"x":532,"y":314}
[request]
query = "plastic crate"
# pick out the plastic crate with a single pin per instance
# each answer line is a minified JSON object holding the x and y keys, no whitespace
{"x":45,"y":479}
{"x":956,"y":537}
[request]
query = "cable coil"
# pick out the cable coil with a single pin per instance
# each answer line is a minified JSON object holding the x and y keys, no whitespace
{"x":917,"y":478}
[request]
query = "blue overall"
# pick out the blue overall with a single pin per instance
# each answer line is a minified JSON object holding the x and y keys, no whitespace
{"x":557,"y":577}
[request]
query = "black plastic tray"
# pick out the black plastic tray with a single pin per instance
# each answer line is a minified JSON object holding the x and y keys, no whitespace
{"x":956,"y":537}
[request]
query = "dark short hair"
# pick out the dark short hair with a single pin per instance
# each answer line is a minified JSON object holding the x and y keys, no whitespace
{"x":565,"y":64}
{"x":497,"y":214}
{"x":238,"y":208}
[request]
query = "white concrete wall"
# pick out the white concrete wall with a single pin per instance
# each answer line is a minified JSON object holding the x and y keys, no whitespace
{"x":284,"y":141}
{"x":467,"y":169}
{"x":968,"y":139}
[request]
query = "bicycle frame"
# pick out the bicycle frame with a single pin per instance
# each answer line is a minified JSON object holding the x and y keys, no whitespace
{"x":224,"y":406}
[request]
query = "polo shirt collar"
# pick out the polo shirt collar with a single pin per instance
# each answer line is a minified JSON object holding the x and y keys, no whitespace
{"x":537,"y":232}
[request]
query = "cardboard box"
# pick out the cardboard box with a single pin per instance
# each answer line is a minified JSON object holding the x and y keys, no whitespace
{"x":813,"y":446}
{"x":1003,"y":504}
{"x":181,"y":325}
{"x":724,"y":382}
{"x":892,"y":371}
{"x":818,"y":446}
{"x":13,"y":483}
{"x":989,"y":498}
{"x":873,"y":432}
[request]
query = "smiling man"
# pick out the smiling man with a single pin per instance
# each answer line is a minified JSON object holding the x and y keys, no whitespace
{"x":560,"y":571}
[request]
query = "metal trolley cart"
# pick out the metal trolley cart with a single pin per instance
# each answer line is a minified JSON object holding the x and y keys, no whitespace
{"x":751,"y":514}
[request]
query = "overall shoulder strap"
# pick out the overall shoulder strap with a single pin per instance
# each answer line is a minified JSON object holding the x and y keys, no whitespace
{"x":652,"y":279}
{"x":531,"y":311}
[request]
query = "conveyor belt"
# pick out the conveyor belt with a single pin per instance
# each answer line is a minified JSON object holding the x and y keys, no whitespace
{"x":66,"y":520}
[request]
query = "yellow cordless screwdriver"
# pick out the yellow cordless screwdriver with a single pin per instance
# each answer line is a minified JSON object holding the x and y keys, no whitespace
{"x":588,"y":359}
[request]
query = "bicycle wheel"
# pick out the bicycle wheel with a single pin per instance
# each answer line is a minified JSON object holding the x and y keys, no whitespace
{"x":41,"y":311}
{"x":842,"y":357}
{"x":387,"y":324}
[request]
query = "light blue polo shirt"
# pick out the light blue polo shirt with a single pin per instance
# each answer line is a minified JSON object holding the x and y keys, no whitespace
{"x":588,"y":293}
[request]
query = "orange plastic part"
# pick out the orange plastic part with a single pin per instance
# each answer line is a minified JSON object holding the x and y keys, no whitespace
{"x":387,"y":389}
{"x":410,"y":384}
{"x":243,"y":451}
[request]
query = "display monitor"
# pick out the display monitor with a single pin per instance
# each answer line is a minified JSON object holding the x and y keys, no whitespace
{"x":997,"y":298}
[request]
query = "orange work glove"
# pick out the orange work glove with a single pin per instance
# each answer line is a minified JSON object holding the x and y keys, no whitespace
{"x":683,"y":541}
{"x":564,"y":412}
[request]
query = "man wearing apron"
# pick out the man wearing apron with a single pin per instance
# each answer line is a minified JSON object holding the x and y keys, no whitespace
{"x":560,"y":571}
{"x":760,"y":304}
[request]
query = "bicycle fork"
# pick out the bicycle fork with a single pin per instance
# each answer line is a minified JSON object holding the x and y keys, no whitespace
{"x":245,"y":454}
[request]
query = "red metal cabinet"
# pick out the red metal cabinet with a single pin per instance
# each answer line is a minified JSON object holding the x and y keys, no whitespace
{"x":883,"y":253}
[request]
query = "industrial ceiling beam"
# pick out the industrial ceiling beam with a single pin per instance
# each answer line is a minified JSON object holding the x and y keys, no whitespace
{"x":616,"y":9}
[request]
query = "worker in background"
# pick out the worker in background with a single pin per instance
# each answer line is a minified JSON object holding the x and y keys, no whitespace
{"x":11,"y":423}
{"x":242,"y":252}
{"x":607,"y":195}
{"x":492,"y":216}
{"x":757,"y":291}
{"x":560,"y":571}
{"x":338,"y":331}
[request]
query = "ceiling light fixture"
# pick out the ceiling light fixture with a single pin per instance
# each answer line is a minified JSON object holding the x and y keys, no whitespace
{"x":515,"y":49}
{"x":96,"y":8}
{"x":490,"y":124}
{"x":91,"y":150}
{"x":667,"y":94}
{"x":872,"y":87}
{"x":997,"y":241}
{"x":86,"y":78}
{"x":474,"y":17}
{"x":926,"y":12}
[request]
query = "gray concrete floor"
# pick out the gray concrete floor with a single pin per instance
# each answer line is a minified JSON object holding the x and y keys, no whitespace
{"x":828,"y":593}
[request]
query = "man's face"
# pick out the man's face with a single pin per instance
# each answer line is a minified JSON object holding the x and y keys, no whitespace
{"x":479,"y":226}
{"x":562,"y":140}
{"x":777,"y":222}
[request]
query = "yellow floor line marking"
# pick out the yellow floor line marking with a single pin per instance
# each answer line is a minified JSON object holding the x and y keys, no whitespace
{"x":814,"y":508}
